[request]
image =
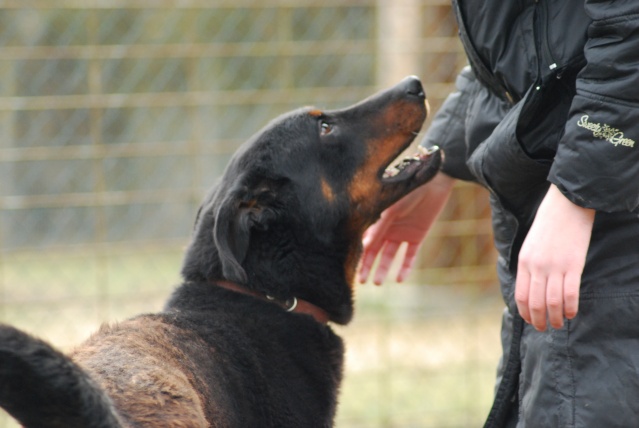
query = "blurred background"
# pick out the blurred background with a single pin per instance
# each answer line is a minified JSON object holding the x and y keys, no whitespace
{"x":116,"y":116}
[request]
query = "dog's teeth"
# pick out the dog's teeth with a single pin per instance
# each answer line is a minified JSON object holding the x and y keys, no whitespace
{"x":391,"y":172}
{"x":396,"y":169}
{"x":406,"y":161}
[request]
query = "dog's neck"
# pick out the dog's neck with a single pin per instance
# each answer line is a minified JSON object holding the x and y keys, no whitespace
{"x":291,"y":305}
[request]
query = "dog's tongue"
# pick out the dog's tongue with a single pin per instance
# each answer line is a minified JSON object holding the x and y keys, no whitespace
{"x":422,"y":155}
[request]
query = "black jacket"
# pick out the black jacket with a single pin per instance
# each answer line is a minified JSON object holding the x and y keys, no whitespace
{"x":575,"y":62}
{"x":552,"y":96}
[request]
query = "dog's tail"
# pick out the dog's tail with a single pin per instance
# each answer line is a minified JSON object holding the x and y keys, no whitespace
{"x":43,"y":388}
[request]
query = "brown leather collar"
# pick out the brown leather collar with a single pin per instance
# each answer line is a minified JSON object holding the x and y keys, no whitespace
{"x":291,"y":305}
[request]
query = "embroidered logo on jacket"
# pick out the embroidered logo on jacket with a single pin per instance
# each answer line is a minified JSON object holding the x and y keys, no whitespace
{"x":605,"y":132}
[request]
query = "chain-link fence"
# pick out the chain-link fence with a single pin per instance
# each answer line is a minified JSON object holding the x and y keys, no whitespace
{"x":116,"y":116}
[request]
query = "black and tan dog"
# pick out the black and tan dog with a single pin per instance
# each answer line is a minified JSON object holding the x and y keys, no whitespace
{"x":244,"y":341}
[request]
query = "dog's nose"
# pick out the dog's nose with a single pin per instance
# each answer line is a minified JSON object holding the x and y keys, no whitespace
{"x":414,"y":87}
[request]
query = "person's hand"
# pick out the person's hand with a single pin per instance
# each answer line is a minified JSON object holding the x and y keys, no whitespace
{"x":408,"y":220}
{"x":551,"y":261}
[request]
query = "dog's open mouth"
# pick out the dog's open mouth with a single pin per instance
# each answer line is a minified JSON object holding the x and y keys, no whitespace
{"x":411,"y":166}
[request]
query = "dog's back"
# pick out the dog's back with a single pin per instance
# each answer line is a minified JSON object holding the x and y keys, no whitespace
{"x":213,"y":358}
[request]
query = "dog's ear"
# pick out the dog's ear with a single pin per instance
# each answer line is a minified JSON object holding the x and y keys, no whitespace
{"x":240,"y":213}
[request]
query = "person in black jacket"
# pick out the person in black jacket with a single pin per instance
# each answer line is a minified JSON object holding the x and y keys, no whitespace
{"x":547,"y":118}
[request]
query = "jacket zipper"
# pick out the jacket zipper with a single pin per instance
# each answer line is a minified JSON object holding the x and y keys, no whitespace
{"x":483,"y":74}
{"x":542,"y":37}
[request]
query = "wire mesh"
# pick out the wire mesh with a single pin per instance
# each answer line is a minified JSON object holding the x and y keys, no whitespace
{"x":118,"y":115}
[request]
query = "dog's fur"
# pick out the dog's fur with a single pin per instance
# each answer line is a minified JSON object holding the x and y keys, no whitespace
{"x":285,"y":220}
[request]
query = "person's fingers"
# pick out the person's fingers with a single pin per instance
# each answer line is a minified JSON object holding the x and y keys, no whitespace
{"x":409,"y":260}
{"x":555,"y":300}
{"x":367,"y":260}
{"x":572,"y":282}
{"x":373,"y":238}
{"x":552,"y":260}
{"x":537,"y":301}
{"x":372,"y":243}
{"x":385,"y":261}
{"x":522,"y":293}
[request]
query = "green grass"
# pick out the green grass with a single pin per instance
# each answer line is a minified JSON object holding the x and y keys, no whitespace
{"x":417,"y":356}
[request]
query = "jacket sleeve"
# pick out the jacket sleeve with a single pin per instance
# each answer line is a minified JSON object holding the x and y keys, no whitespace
{"x":448,"y":127}
{"x":597,"y":160}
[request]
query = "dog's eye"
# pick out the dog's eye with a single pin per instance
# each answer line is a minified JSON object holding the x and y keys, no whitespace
{"x":325,"y":128}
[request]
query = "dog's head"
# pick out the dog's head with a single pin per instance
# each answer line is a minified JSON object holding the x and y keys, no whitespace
{"x":288,"y":214}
